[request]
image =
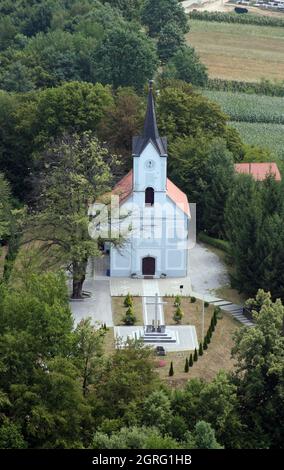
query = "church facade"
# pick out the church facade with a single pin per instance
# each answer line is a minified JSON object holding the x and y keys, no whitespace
{"x":154,"y":212}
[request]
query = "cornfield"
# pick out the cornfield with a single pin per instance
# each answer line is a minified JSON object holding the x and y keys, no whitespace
{"x":266,"y":135}
{"x":249,"y":107}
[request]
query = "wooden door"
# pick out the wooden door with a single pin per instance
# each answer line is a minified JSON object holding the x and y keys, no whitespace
{"x":148,"y":266}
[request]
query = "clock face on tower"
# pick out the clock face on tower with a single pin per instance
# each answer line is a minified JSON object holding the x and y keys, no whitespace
{"x":150,"y":164}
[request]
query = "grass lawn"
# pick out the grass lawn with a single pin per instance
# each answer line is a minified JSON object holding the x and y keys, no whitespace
{"x":192,"y":314}
{"x":216,"y":357}
{"x":118,"y":310}
{"x":239,"y":51}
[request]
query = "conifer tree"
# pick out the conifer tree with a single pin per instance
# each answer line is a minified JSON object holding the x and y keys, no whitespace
{"x":200,"y":352}
{"x":190,"y":362}
{"x":195,"y":356}
{"x":171,"y":371}
{"x":186,"y":367}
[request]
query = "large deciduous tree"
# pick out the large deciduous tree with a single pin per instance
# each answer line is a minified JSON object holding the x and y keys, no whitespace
{"x":259,"y":374}
{"x":75,"y":171}
{"x":157,"y":14}
{"x":125,"y":57}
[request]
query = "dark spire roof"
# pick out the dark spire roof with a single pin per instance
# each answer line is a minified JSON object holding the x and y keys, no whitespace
{"x":150,"y":130}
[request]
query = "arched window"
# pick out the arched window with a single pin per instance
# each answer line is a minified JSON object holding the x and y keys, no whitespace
{"x":149,"y":196}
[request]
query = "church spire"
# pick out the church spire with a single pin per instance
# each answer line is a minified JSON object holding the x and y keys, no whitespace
{"x":150,"y":130}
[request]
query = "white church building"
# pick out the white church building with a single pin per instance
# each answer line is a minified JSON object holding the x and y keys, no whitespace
{"x":154,"y":212}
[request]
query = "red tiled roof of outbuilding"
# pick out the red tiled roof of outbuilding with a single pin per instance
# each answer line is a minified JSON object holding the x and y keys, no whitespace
{"x":259,"y":171}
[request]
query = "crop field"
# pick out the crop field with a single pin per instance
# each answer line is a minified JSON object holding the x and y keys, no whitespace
{"x":239,"y":51}
{"x":249,"y":107}
{"x":265,"y":135}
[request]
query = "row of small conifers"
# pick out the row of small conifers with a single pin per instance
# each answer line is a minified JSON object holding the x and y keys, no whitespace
{"x":202,"y":346}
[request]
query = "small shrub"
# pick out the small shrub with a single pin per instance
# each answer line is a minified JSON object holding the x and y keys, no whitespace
{"x":177,"y":301}
{"x":128,"y":301}
{"x":192,"y":299}
{"x":186,"y":366}
{"x":178,"y":315}
{"x":129,"y":318}
{"x":200,"y":352}
{"x":206,"y":304}
{"x":195,"y":356}
{"x":171,"y":371}
{"x":205,"y":345}
{"x":190,"y":362}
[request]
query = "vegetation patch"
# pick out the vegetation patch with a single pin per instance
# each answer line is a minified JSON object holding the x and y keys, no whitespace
{"x":119,"y":310}
{"x":265,"y":135}
{"x":239,"y":52}
{"x":249,"y":107}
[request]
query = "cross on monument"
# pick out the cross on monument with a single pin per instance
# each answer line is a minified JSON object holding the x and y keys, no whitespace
{"x":156,"y":303}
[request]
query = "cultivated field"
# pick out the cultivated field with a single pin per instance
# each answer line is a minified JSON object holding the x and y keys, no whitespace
{"x":249,"y":107}
{"x":239,"y":51}
{"x":265,"y":135}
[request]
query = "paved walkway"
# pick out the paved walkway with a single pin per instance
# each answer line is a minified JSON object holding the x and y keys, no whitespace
{"x":98,"y":306}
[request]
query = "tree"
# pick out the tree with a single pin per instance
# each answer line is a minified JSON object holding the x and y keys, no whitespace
{"x":123,"y":119}
{"x":186,"y":366}
{"x":200,"y":351}
{"x":126,"y":379}
{"x":131,"y":9}
{"x":87,"y":351}
{"x":129,"y":318}
{"x":195,"y":356}
{"x":185,"y":65}
{"x":171,"y":371}
{"x":259,"y":373}
{"x":256,"y":239}
{"x":157,"y":410}
{"x":203,"y":437}
{"x":128,"y":301}
{"x":125,"y":57}
{"x":190,"y":362}
{"x":204,"y":169}
{"x":156,"y":15}
{"x":62,"y":222}
{"x":177,"y":301}
{"x":170,"y":39}
{"x":178,"y":314}
{"x":134,"y":437}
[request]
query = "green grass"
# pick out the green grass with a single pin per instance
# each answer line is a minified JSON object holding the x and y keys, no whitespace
{"x":239,"y":51}
{"x":264,"y":135}
{"x":249,"y":107}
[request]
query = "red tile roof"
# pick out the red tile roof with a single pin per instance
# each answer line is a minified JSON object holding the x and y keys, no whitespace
{"x":125,"y":186}
{"x":259,"y":171}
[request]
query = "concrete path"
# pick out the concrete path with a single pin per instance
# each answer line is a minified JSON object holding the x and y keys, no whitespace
{"x":171,"y":286}
{"x":207,"y":271}
{"x":98,"y":306}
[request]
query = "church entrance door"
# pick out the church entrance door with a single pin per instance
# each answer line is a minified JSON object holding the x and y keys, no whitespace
{"x":148,"y":266}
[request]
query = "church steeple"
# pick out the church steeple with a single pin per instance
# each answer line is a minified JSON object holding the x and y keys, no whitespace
{"x":150,"y":130}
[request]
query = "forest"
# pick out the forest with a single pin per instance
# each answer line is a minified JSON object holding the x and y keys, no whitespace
{"x":73,"y":85}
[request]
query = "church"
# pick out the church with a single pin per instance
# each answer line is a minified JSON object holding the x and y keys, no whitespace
{"x":154,"y":209}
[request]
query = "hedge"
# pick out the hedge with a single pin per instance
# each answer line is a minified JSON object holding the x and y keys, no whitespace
{"x":264,"y":87}
{"x":221,"y":244}
{"x":250,"y":18}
